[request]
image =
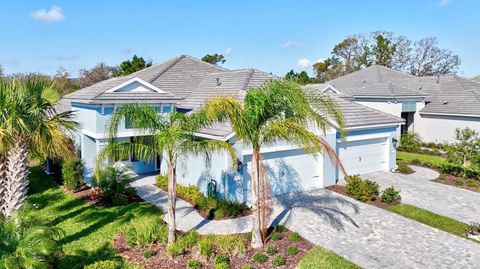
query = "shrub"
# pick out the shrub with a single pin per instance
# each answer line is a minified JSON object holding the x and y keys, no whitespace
{"x":271,"y":250}
{"x":109,"y":264}
{"x":278,"y":261}
{"x":391,"y":196}
{"x":471,"y":183}
{"x":162,"y":181}
{"x":222,"y":265}
{"x":294,"y":237}
{"x":194,"y":264}
{"x":113,"y":181}
{"x":148,"y":253}
{"x":205,"y":246}
{"x":249,"y":236}
{"x":246,"y":266}
{"x":361,"y":190}
{"x":431,"y":145}
{"x":230,"y":244}
{"x":410,"y":142}
{"x":222,"y":259}
{"x":403,"y":168}
{"x":459,"y":182}
{"x":280,"y":228}
{"x":183,"y":243}
{"x":292,"y":250}
{"x":415,"y":161}
{"x":276,"y":236}
{"x":72,"y":172}
{"x":427,"y":164}
{"x":260,"y":257}
{"x":436,"y":152}
{"x":442,"y":176}
{"x":218,"y":214}
{"x":146,"y":230}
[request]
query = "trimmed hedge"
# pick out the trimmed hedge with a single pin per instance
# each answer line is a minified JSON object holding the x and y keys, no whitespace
{"x":458,"y":170}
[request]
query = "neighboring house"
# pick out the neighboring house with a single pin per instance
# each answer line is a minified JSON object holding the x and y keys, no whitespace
{"x":184,"y":84}
{"x":431,"y":106}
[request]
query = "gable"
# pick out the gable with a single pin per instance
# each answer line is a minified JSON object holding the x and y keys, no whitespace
{"x":330,"y":89}
{"x":135,"y":85}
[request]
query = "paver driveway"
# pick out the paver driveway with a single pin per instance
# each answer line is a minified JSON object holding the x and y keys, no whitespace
{"x":417,"y":189}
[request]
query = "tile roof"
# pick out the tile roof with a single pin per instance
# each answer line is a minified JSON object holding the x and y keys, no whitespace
{"x":444,"y":94}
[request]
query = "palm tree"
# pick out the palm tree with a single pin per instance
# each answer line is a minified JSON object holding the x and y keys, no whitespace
{"x":30,"y":123}
{"x":26,"y":242}
{"x":168,"y":136}
{"x":281,"y":110}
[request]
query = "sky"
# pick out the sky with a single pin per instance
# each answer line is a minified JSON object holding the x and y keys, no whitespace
{"x":273,"y":36}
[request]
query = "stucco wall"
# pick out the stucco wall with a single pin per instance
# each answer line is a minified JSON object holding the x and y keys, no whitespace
{"x":89,"y":153}
{"x":440,"y":129}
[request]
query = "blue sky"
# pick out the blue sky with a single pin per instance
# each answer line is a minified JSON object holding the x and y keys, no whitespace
{"x":41,"y":35}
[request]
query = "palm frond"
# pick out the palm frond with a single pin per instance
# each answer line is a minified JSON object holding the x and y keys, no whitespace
{"x":207,"y":147}
{"x":141,"y":116}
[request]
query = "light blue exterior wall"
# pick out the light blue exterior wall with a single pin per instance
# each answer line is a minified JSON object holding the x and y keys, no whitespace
{"x":329,"y":167}
{"x":89,"y":153}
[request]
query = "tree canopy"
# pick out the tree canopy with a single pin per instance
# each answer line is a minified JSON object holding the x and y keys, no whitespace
{"x":420,"y":58}
{"x":300,"y":78}
{"x":214,"y":58}
{"x":100,"y":72}
{"x":130,"y":66}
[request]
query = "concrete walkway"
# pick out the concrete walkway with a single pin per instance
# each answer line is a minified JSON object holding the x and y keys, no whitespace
{"x":368,"y":236}
{"x":417,"y":189}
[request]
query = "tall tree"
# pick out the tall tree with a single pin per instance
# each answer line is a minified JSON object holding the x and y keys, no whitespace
{"x":329,"y":69}
{"x":279,"y":111}
{"x":429,"y":60}
{"x":130,"y":66}
{"x":301,"y":78}
{"x":383,"y":50}
{"x":97,"y":74}
{"x":29,"y":123}
{"x":64,"y":82}
{"x":170,"y":137}
{"x":214,"y":59}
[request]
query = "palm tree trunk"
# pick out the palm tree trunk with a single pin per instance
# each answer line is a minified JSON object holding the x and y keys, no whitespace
{"x":3,"y":175}
{"x":172,"y":199}
{"x":257,"y":241}
{"x":16,"y":184}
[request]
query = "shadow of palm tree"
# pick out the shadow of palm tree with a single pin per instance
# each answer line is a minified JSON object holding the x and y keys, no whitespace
{"x":81,"y":258}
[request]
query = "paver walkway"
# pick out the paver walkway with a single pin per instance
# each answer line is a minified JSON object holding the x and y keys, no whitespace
{"x":368,"y":236}
{"x":417,"y":189}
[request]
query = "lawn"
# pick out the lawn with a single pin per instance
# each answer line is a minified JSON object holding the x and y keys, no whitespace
{"x":319,"y":257}
{"x":89,"y":230}
{"x":437,"y":161}
{"x":431,"y":219}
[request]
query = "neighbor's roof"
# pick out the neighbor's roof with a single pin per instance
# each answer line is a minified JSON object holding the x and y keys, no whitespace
{"x":451,"y":95}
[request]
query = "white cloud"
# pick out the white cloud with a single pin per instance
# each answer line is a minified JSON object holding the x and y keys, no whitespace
{"x":445,"y":2}
{"x":319,"y":60}
{"x":289,"y":44}
{"x":228,"y":51}
{"x":304,"y":62}
{"x":55,"y":14}
{"x":64,"y":57}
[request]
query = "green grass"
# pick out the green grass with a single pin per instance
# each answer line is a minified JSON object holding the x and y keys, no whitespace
{"x":89,"y":230}
{"x":321,"y":258}
{"x":407,"y":157}
{"x":431,"y":219}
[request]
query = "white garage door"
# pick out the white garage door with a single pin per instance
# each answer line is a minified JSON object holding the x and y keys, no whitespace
{"x":289,"y":171}
{"x":364,"y":156}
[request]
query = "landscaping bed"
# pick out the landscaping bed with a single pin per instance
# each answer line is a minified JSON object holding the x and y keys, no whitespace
{"x":208,"y":207}
{"x":284,"y":249}
{"x":342,"y":190}
{"x":461,"y":182}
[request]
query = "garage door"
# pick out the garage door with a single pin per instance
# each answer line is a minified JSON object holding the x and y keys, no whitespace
{"x":364,"y":156}
{"x":289,"y":171}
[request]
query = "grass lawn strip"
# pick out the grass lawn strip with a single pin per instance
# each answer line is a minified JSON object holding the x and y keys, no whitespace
{"x":437,"y":161}
{"x":319,"y":257}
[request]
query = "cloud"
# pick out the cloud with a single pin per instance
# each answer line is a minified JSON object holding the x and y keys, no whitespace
{"x":289,"y":44}
{"x":445,"y":2}
{"x":304,"y":62}
{"x":55,"y":14}
{"x":63,"y":57}
{"x":228,"y":51}
{"x":127,"y":51}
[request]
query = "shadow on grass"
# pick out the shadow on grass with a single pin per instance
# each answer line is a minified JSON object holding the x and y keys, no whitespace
{"x":39,"y":181}
{"x":81,"y":258}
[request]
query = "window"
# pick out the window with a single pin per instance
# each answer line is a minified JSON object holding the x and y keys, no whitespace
{"x":133,"y":158}
{"x":128,"y":123}
{"x":167,"y":108}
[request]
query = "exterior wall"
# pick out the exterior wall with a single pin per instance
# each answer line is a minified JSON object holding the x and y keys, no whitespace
{"x":89,"y":154}
{"x":440,"y":129}
{"x":392,"y":108}
{"x":330,"y":169}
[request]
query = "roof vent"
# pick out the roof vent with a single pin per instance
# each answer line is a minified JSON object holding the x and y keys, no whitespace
{"x":445,"y":102}
{"x":218,"y":82}
{"x":420,"y":87}
{"x":364,"y":81}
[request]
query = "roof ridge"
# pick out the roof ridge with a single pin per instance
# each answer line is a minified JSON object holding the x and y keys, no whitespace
{"x":168,"y":68}
{"x":207,"y":63}
{"x":247,"y":81}
{"x":369,"y":108}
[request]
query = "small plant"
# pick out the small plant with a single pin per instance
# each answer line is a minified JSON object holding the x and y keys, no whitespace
{"x":72,"y":173}
{"x":471,"y":183}
{"x":222,"y":265}
{"x":249,"y":236}
{"x":294,"y":237}
{"x":410,"y":142}
{"x":148,"y":253}
{"x":230,"y":244}
{"x":292,"y":250}
{"x":109,"y":264}
{"x":362,"y":190}
{"x":271,"y":250}
{"x":194,"y":264}
{"x":260,"y":257}
{"x":459,"y":182}
{"x":276,"y":236}
{"x":218,"y":214}
{"x":427,"y":164}
{"x":443,"y":177}
{"x":246,"y":266}
{"x":183,"y":243}
{"x":205,"y":246}
{"x":113,"y":182}
{"x":278,"y":261}
{"x":222,"y":259}
{"x":146,"y":230}
{"x":416,"y":161}
{"x":404,"y":168}
{"x":391,"y":196}
{"x":280,"y":228}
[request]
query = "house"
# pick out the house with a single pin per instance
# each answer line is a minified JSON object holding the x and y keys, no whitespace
{"x":431,"y":106}
{"x":184,"y":84}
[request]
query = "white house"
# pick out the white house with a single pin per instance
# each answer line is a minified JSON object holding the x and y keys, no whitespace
{"x":185,"y":83}
{"x":431,"y":106}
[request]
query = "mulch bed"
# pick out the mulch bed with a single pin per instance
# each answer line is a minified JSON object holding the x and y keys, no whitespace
{"x":205,"y":215}
{"x":162,"y":260}
{"x":89,"y":195}
{"x":342,"y":190}
{"x":450,"y":180}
